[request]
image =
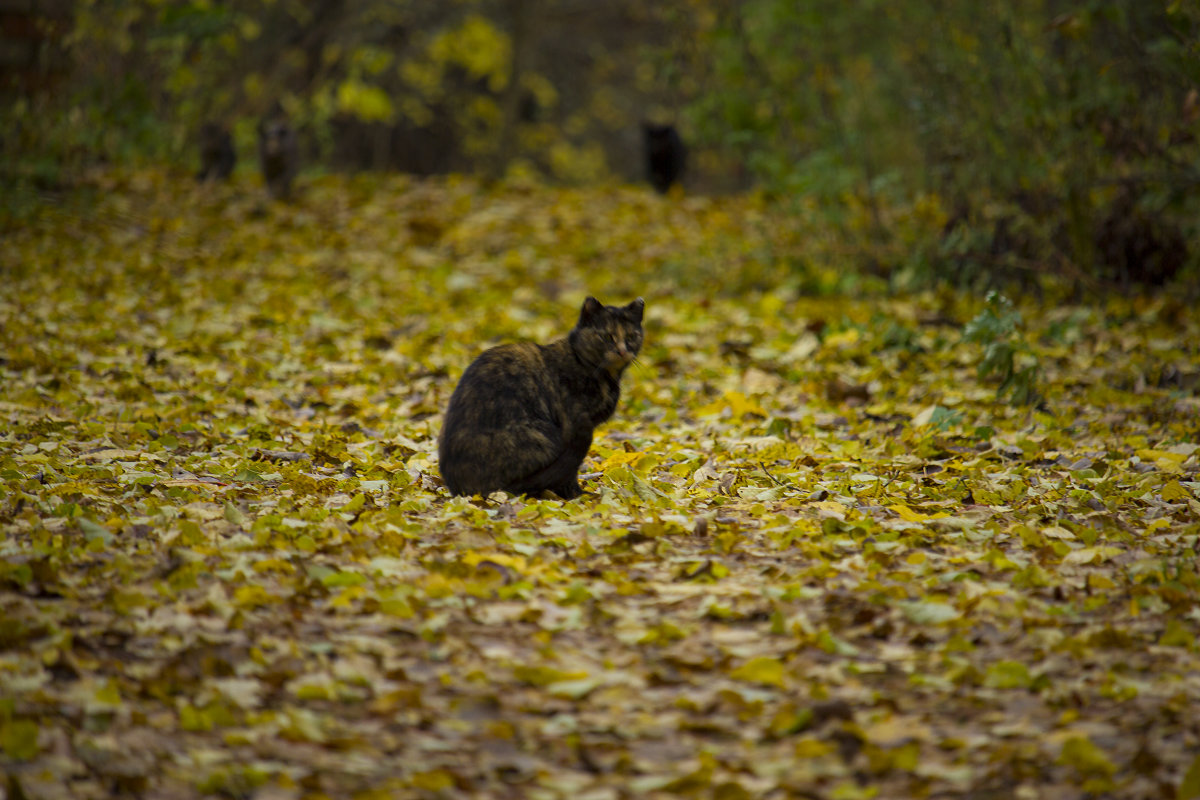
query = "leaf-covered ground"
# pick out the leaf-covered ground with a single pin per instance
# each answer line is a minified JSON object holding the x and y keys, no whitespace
{"x":818,"y":558}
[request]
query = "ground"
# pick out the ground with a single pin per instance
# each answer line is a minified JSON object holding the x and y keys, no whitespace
{"x":825,"y":551}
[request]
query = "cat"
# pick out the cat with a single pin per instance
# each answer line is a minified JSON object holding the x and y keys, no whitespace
{"x":217,"y":156}
{"x":666,"y":155}
{"x":522,"y":416}
{"x":278,"y":153}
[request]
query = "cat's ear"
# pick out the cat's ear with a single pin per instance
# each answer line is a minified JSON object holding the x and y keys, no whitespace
{"x":591,"y":308}
{"x":636,"y":308}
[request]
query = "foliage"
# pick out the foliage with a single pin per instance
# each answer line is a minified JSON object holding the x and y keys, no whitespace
{"x":1028,"y":124}
{"x":997,"y":328}
{"x":427,"y":88}
{"x":1048,"y":138}
{"x":817,"y":558}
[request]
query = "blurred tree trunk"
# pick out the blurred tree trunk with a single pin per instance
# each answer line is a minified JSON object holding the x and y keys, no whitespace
{"x":519,"y":13}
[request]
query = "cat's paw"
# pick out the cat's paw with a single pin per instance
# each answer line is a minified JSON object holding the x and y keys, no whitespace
{"x":566,"y":492}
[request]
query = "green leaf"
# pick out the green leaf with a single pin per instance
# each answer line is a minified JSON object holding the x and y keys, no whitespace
{"x":95,"y":532}
{"x":234,"y":515}
{"x":1008,"y":675}
{"x":835,"y":644}
{"x":341,"y":578}
{"x":248,"y":475}
{"x":629,"y":481}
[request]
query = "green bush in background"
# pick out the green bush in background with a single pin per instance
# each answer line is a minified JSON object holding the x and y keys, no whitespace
{"x":944,"y":140}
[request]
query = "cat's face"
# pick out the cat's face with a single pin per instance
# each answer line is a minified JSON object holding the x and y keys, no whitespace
{"x":609,"y":336}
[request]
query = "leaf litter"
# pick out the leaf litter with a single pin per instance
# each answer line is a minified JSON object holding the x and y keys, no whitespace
{"x":820,"y":556}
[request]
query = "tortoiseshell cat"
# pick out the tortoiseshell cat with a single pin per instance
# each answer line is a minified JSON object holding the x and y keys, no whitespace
{"x":522,"y":417}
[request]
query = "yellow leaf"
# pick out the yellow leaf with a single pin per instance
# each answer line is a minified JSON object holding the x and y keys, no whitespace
{"x":763,"y":669}
{"x":368,"y":103}
{"x":109,"y":694}
{"x":1173,"y":491}
{"x":347,"y":596}
{"x":843,"y":338}
{"x":19,"y":739}
{"x":434,"y":780}
{"x":437,"y":585}
{"x":738,"y":404}
{"x":476,"y":45}
{"x":811,"y":747}
{"x":1058,"y":532}
{"x":896,"y":730}
{"x":1091,"y":555}
{"x":731,"y":791}
{"x":1088,"y":759}
{"x":252,"y":596}
{"x":1163,"y":459}
{"x":909,"y":515}
{"x":193,"y":719}
{"x":618,"y":458}
{"x":314,"y":691}
{"x":1161,"y":455}
{"x":544,"y":676}
{"x":397,"y":607}
{"x":474,"y":558}
{"x":741,"y":405}
{"x":1177,"y":634}
{"x":356,"y":503}
{"x":999,"y":561}
{"x":1189,"y":788}
{"x":274,"y":565}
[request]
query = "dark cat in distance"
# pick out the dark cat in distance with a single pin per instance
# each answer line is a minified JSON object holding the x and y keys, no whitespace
{"x":522,"y":417}
{"x":278,"y":153}
{"x":217,"y":156}
{"x":666,"y":156}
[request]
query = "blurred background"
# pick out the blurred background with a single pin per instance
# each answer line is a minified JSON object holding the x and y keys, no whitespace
{"x":1011,"y":138}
